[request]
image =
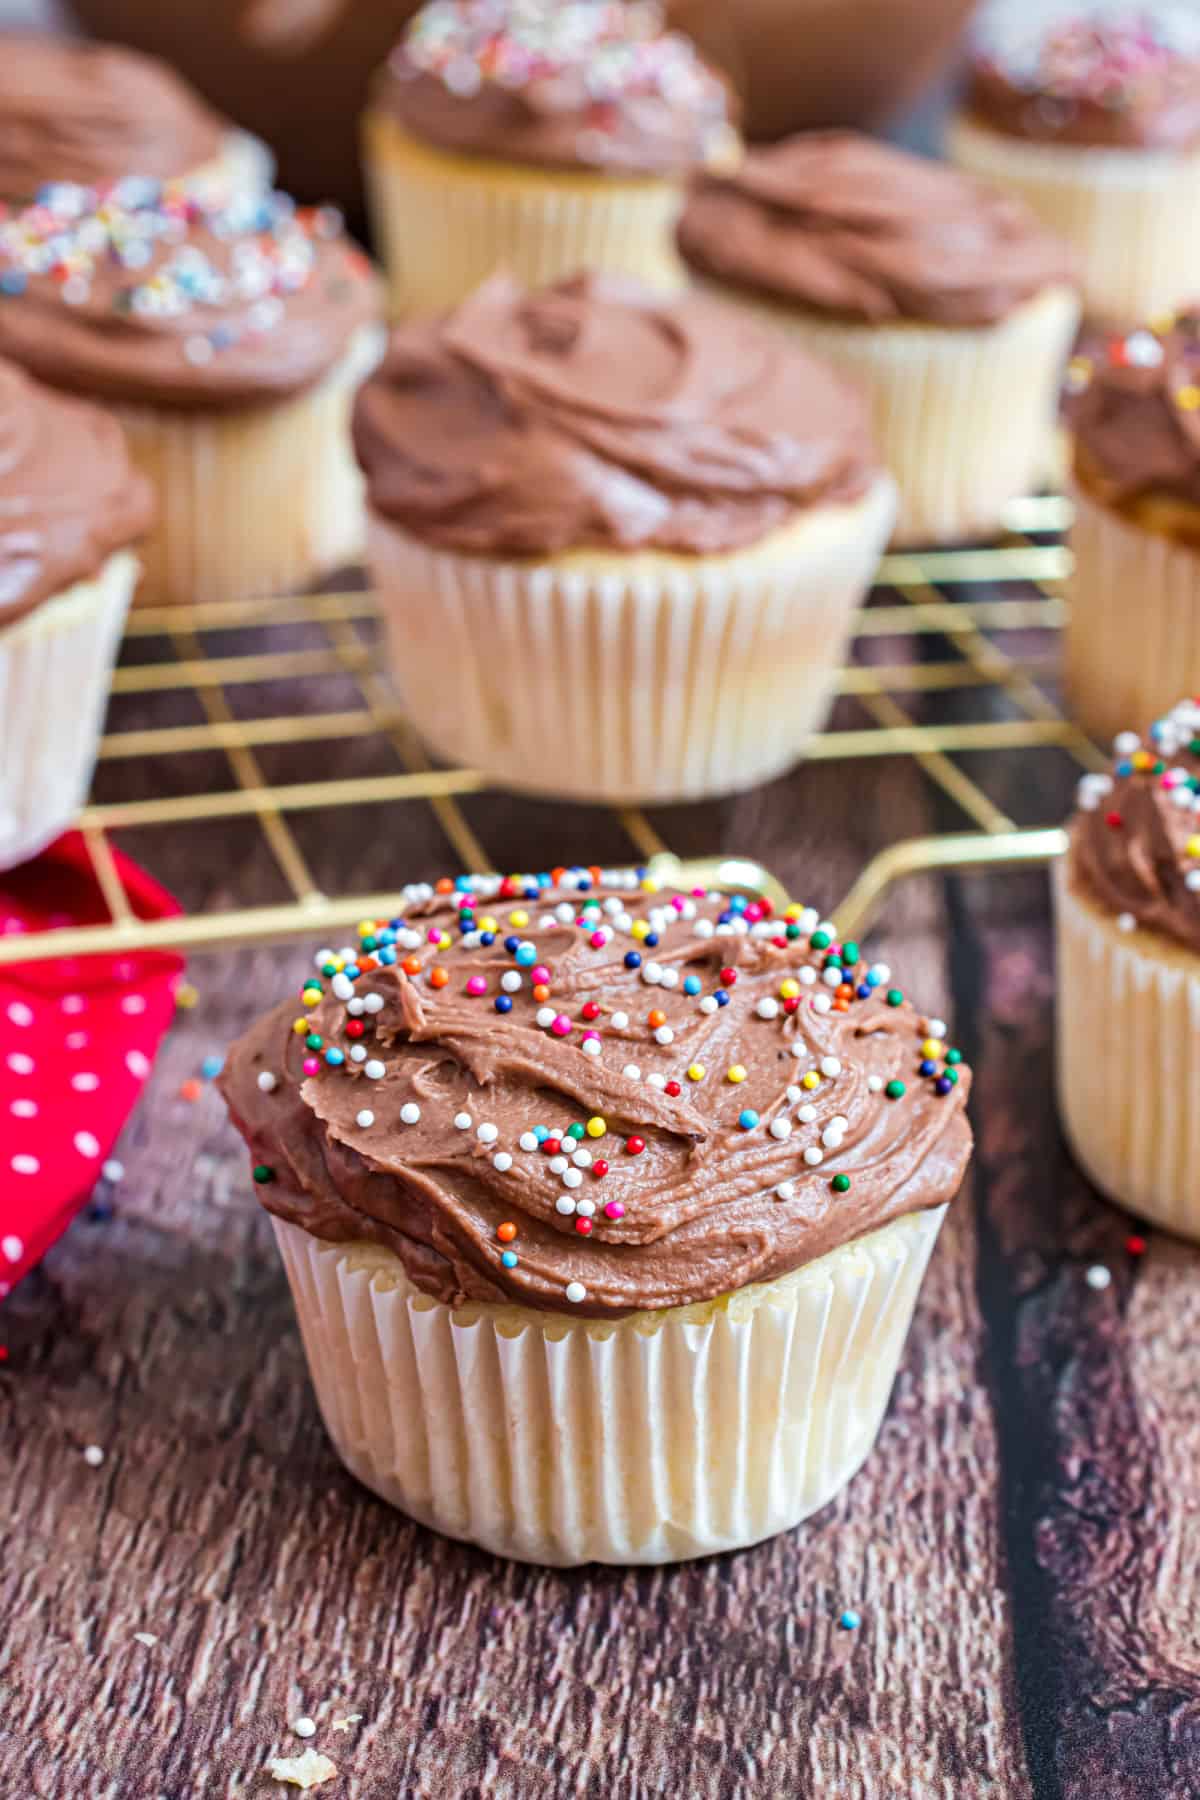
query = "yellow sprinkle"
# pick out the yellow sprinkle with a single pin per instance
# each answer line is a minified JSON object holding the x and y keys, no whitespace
{"x":696,"y":1072}
{"x":1192,"y":847}
{"x":649,"y":885}
{"x":811,"y":1080}
{"x":736,"y":1073}
{"x":311,"y":996}
{"x":1187,"y":398}
{"x":1162,"y":323}
{"x":597,"y":1127}
{"x":640,"y":928}
{"x":300,"y":1027}
{"x":366,"y":928}
{"x":186,"y":997}
{"x":793,"y":911}
{"x":519,"y":918}
{"x":932,"y":1048}
{"x":488,"y":923}
{"x":1142,"y":759}
{"x":789,"y":989}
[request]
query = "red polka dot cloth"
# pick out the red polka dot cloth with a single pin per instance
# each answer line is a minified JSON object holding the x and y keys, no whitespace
{"x":77,"y":1040}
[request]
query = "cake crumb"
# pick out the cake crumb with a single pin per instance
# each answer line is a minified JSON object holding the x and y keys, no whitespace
{"x":145,"y":1637}
{"x":345,"y":1723}
{"x":307,"y":1771}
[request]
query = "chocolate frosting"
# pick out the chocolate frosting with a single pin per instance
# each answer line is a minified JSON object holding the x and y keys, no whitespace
{"x":751,"y":1099}
{"x":138,"y":297}
{"x":1125,"y":77}
{"x":846,"y":226}
{"x":1135,"y":841}
{"x":69,"y":495}
{"x":597,"y":413}
{"x":1134,"y":407}
{"x":91,"y":113}
{"x":575,"y":84}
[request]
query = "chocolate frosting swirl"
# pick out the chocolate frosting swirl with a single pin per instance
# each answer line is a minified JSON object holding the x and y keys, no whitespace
{"x":597,"y":413}
{"x":1135,"y":840}
{"x":69,"y":495}
{"x":1134,"y":407}
{"x":578,"y":84}
{"x":742,"y":1110}
{"x":134,"y":296}
{"x":92,"y":114}
{"x":846,"y":226}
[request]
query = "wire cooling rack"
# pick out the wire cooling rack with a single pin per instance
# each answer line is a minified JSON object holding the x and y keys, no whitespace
{"x":936,"y":621}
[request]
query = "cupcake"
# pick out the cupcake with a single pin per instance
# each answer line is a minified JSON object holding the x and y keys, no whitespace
{"x":634,"y":526}
{"x":71,"y":508}
{"x":228,"y":341}
{"x":604,"y":1206}
{"x":540,"y":136}
{"x":1094,"y":121}
{"x":946,"y":299}
{"x":1128,"y":917}
{"x":1133,"y":630}
{"x":91,"y":114}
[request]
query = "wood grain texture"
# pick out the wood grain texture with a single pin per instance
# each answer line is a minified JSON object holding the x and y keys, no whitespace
{"x":1020,"y":1545}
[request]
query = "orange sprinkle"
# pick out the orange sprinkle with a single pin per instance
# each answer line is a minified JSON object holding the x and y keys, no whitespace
{"x":411,"y":965}
{"x":438,"y":977}
{"x":844,"y":991}
{"x":656,"y":1018}
{"x":506,"y":1232}
{"x":445,"y":885}
{"x":541,"y":991}
{"x":367,"y":963}
{"x":557,"y":874}
{"x":191,"y":1090}
{"x":841,"y":1006}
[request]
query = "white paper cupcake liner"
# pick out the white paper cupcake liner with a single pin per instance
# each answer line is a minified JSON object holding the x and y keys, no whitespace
{"x":633,"y":676}
{"x":54,"y":677}
{"x":1132,"y":640}
{"x":444,"y":223}
{"x":255,"y":501}
{"x":648,"y":1440}
{"x":1128,"y":214}
{"x":964,"y":417}
{"x":1129,"y":1060}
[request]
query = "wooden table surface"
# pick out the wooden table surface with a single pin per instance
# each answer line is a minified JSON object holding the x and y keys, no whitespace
{"x":1021,"y":1545}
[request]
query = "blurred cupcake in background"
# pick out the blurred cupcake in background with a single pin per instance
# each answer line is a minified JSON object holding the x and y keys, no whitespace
{"x":229,"y":341}
{"x":1127,"y":899}
{"x":541,"y":136}
{"x":71,"y":508}
{"x":947,"y":300}
{"x":618,"y":537}
{"x":93,"y":114}
{"x":1092,"y":116}
{"x":1133,"y":634}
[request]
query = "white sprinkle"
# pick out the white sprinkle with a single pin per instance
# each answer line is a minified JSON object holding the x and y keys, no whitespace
{"x":113,"y":1170}
{"x":709,"y":1004}
{"x":558,"y":1164}
{"x":786,"y":1190}
{"x":781,"y":1128}
{"x":808,"y":919}
{"x":875,"y":1083}
{"x":832,"y":977}
{"x":1098,"y":1277}
{"x":807,"y":1113}
{"x":545,"y":1017}
{"x":565,"y":913}
{"x":267,"y":1082}
{"x":565,"y":1205}
{"x":502,"y":1162}
{"x":304,"y":1728}
{"x":830,"y":1066}
{"x":831,"y":1137}
{"x":703,"y":928}
{"x":619,"y":1021}
{"x":571,"y":1177}
{"x":767,"y":1008}
{"x":632,"y":1072}
{"x":462,"y":1121}
{"x":813,"y":1156}
{"x":664,"y":1035}
{"x":410,"y":1113}
{"x":840,"y":1122}
{"x":575,"y":1292}
{"x":794,"y":1095}
{"x":528,"y":1141}
{"x":670,"y":978}
{"x":365,"y":1118}
{"x":821,"y":1003}
{"x":936,"y":1028}
{"x":373,"y":1003}
{"x":657,"y":1081}
{"x":807,"y":976}
{"x":591,"y":1046}
{"x":880,"y":974}
{"x":93,"y":1456}
{"x":355,"y":1007}
{"x":1192,"y":880}
{"x":1126,"y":922}
{"x":510,"y":981}
{"x":586,"y":1208}
{"x":343,"y":987}
{"x":582,"y":1159}
{"x":1126,"y":742}
{"x":357,"y":1053}
{"x":321,"y":958}
{"x":652,"y":973}
{"x":374,"y":1070}
{"x":487,"y":1134}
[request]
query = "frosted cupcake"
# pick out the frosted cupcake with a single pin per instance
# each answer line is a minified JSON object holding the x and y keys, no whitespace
{"x":71,"y":509}
{"x":229,"y":342}
{"x":1128,"y":906}
{"x":1092,"y":117}
{"x":1133,"y":632}
{"x":946,"y":299}
{"x":540,"y":136}
{"x":645,"y":520}
{"x":604,"y":1207}
{"x":92,"y":114}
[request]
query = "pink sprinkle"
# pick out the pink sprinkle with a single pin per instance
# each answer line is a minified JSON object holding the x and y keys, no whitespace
{"x":311,"y":1066}
{"x":679,"y":903}
{"x":477,"y":985}
{"x":597,"y":940}
{"x":698,"y":893}
{"x":614,"y":1210}
{"x":434,"y":934}
{"x":561,"y":1026}
{"x":591,"y":1034}
{"x":754,"y":912}
{"x":1173,"y":777}
{"x":539,"y":974}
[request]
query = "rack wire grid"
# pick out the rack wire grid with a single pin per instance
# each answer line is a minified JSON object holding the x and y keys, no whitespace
{"x":962,"y":603}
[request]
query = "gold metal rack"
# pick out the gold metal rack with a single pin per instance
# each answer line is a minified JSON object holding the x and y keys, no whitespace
{"x":912,"y":601}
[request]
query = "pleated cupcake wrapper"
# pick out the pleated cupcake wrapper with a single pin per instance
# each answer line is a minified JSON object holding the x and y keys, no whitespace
{"x":1132,"y":641}
{"x":963,"y":417}
{"x":1129,"y":1060}
{"x":563,"y":1440}
{"x":444,"y":223}
{"x":55,"y":666}
{"x":1128,"y":214}
{"x":635,"y":677}
{"x":258,"y":500}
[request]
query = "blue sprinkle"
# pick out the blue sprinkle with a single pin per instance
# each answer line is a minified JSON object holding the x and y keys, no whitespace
{"x":509,"y":1259}
{"x":334,"y":1058}
{"x":650,"y":939}
{"x":487,"y":937}
{"x":748,"y":1119}
{"x":721,"y":996}
{"x":211,"y":1067}
{"x":510,"y":944}
{"x":12,"y":282}
{"x":463,"y":883}
{"x":725,"y":918}
{"x":927,"y":1068}
{"x":526,"y":955}
{"x":100,"y":1211}
{"x":503,"y":1003}
{"x":850,"y":1620}
{"x":642,"y":871}
{"x":738,"y":902}
{"x":871,"y":979}
{"x":863,"y":990}
{"x":530,"y":893}
{"x":352,"y":971}
{"x":632,"y":960}
{"x":540,"y":1133}
{"x":691,"y":984}
{"x":1124,"y":768}
{"x":387,"y":955}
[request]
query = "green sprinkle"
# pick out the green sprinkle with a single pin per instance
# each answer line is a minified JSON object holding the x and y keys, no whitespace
{"x":850,"y":952}
{"x":950,"y":1075}
{"x":313,"y":1041}
{"x":895,"y":997}
{"x":793,"y":931}
{"x":262,"y":1174}
{"x":329,"y":969}
{"x":576,"y":1130}
{"x":368,"y":943}
{"x":1194,"y":746}
{"x":953,"y":1056}
{"x":894,"y":1090}
{"x":840,"y":1184}
{"x":820,"y":940}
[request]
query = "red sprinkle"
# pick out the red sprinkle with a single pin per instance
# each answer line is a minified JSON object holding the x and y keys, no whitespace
{"x":354,"y":1028}
{"x":1135,"y":1245}
{"x":599,"y":1167}
{"x":791,"y":1006}
{"x":1114,"y":819}
{"x":551,"y":1146}
{"x":583,"y":1227}
{"x":590,"y":1009}
{"x":728,"y":977}
{"x":672,"y":1088}
{"x":635,"y":1145}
